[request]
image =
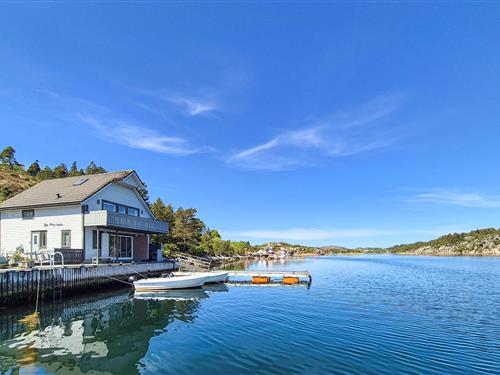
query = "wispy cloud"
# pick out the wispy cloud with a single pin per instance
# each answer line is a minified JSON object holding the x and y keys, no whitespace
{"x":341,"y":135}
{"x":309,"y":234}
{"x":190,"y":104}
{"x":140,"y":137}
{"x":193,"y":106}
{"x":458,"y":199}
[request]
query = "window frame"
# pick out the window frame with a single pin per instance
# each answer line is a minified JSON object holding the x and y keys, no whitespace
{"x":94,"y":239}
{"x":67,"y":246}
{"x":120,"y":245}
{"x":28,"y":217}
{"x":117,"y":208}
{"x":109,"y":203}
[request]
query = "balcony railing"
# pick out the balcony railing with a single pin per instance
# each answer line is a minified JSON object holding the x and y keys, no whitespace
{"x":116,"y":220}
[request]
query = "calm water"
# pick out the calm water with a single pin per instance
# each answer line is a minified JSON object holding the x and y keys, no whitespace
{"x":370,"y":314}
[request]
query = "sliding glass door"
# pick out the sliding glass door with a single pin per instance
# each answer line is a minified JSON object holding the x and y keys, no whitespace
{"x":120,"y":246}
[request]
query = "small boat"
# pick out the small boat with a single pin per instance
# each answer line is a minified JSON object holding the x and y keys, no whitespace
{"x":169,"y":283}
{"x":213,"y":276}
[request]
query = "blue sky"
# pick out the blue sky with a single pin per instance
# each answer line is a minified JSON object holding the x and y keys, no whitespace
{"x":357,"y":124}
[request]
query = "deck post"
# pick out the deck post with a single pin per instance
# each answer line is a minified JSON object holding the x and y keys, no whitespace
{"x":98,"y":245}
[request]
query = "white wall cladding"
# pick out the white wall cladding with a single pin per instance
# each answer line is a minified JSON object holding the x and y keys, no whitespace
{"x":14,"y":231}
{"x":89,"y":251}
{"x":118,"y":194}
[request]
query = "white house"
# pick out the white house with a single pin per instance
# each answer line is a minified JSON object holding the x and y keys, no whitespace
{"x":81,"y":215}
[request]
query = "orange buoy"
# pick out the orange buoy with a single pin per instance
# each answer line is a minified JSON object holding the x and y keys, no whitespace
{"x":261,"y":279}
{"x":290,"y":280}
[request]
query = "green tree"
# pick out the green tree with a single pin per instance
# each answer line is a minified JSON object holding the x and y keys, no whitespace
{"x":94,"y":169}
{"x":8,"y":156}
{"x":34,"y":169}
{"x":163,"y":213}
{"x":46,"y":173}
{"x":60,"y":171}
{"x":74,"y":171}
{"x":144,"y":193}
{"x":240,"y":247}
{"x":187,"y":229}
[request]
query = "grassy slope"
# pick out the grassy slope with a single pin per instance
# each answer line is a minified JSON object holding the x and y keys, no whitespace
{"x":13,"y":182}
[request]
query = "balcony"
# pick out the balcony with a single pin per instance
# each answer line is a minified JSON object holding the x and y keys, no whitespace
{"x":116,"y":220}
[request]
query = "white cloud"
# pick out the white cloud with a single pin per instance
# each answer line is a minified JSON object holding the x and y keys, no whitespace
{"x":343,"y":134}
{"x":140,"y":137}
{"x":309,"y":234}
{"x":192,"y":106}
{"x":458,"y":199}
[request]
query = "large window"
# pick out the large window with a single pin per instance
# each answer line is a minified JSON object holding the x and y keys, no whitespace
{"x":120,"y":246}
{"x":132,"y":211}
{"x":65,"y":239}
{"x":28,"y":214}
{"x":108,"y":206}
{"x":120,"y":208}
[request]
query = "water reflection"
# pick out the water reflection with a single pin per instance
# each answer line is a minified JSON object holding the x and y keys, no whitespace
{"x":181,"y":295}
{"x":268,"y":264}
{"x":108,"y":333}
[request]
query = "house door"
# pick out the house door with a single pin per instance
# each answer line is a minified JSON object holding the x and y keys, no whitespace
{"x":35,"y":241}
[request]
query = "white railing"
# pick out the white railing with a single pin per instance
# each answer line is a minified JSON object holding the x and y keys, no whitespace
{"x":116,"y":220}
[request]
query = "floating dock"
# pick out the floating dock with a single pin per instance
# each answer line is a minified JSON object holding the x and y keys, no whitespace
{"x":269,"y":277}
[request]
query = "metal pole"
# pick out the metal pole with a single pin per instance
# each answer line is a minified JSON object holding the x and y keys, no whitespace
{"x":98,"y":245}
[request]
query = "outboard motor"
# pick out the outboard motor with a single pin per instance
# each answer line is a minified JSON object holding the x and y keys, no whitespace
{"x":131,"y":279}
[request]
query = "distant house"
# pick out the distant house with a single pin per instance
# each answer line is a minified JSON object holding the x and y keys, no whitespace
{"x":102,"y":211}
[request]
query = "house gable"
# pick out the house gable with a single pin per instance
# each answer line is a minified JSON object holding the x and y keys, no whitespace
{"x":119,"y":193}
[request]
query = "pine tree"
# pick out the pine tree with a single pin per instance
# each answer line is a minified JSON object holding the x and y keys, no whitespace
{"x":46,"y":173}
{"x":187,"y":229}
{"x":34,"y":169}
{"x":94,"y":169}
{"x":74,"y":171}
{"x":8,"y":156}
{"x":60,"y":171}
{"x":144,"y":193}
{"x":166,"y":214}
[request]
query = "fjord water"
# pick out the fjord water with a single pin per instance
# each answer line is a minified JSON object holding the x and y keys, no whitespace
{"x":362,"y":314}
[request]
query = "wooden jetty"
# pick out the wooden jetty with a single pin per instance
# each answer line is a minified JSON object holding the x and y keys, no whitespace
{"x":191,"y":262}
{"x":269,"y":277}
{"x":17,"y":286}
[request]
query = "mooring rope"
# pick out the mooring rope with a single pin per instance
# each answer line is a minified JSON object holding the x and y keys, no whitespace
{"x":140,"y":274}
{"x":112,"y":278}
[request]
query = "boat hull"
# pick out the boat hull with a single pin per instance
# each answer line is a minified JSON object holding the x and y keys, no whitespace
{"x":213,"y":277}
{"x":169,"y":283}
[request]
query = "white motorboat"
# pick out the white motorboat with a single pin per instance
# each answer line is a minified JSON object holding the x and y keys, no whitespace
{"x":169,"y":283}
{"x":213,"y":276}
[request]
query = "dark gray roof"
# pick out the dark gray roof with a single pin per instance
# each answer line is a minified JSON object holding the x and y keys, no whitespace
{"x":63,"y":191}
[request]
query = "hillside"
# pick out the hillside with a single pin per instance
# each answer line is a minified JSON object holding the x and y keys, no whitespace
{"x":302,"y":249}
{"x":478,"y":242}
{"x":13,"y":181}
